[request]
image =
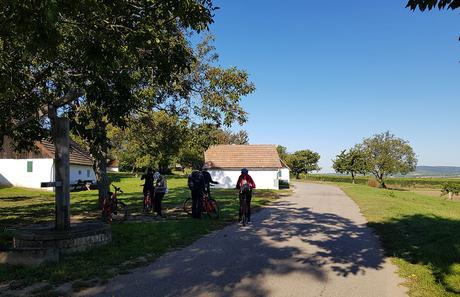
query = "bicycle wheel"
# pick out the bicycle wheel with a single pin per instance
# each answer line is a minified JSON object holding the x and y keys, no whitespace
{"x":213,"y":209}
{"x":121,"y":212}
{"x":187,"y":206}
{"x":148,"y":205}
{"x":244,"y":213}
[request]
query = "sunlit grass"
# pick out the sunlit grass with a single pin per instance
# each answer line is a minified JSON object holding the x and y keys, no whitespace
{"x":134,"y":243}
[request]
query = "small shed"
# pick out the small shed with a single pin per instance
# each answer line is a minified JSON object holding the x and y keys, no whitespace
{"x":30,"y":169}
{"x":113,"y":165}
{"x":226,"y":161}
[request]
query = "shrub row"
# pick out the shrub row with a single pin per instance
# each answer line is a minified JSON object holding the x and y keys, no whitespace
{"x":404,"y":182}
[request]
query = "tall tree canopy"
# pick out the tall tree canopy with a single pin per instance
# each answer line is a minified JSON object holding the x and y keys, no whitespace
{"x":107,"y":57}
{"x":387,"y":155}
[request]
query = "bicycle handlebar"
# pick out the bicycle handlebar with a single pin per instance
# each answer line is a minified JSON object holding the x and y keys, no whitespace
{"x":117,"y":189}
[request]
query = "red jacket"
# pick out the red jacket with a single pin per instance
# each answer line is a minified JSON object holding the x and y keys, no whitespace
{"x":248,"y":179}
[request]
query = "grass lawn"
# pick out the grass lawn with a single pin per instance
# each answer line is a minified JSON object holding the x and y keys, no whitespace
{"x":134,"y":243}
{"x":420,"y":232}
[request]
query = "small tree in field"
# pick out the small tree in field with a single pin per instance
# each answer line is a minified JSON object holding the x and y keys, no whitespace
{"x":303,"y":161}
{"x":351,"y":162}
{"x":450,"y":189}
{"x":387,"y":155}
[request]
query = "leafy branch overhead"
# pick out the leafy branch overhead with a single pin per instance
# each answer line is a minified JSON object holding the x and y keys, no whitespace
{"x":430,"y":4}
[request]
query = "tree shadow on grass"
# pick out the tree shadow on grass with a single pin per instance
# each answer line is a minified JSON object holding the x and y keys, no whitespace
{"x":428,"y":240}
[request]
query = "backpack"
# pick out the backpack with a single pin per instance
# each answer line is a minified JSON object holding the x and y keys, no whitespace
{"x":195,"y":180}
{"x":245,"y":187}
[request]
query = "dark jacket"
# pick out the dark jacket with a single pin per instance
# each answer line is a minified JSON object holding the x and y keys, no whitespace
{"x":196,"y":181}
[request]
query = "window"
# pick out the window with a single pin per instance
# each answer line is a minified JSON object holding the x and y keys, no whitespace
{"x":30,"y":166}
{"x":79,"y":172}
{"x":88,"y":173}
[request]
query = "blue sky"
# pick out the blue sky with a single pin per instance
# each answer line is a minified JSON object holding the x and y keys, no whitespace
{"x":329,"y":73}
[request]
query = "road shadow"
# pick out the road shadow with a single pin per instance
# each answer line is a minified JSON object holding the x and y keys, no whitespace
{"x":241,"y":261}
{"x":428,"y":240}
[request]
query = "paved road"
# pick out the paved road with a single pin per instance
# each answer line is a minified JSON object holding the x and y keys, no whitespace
{"x":314,"y":243}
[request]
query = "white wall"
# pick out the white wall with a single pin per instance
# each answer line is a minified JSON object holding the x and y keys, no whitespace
{"x":263,"y":179}
{"x":13,"y":172}
{"x":285,"y":175}
{"x":113,"y":169}
{"x":81,"y":172}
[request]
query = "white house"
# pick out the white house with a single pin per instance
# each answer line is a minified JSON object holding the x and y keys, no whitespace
{"x":113,"y":166}
{"x":226,"y":161}
{"x":285,"y":173}
{"x":29,"y":169}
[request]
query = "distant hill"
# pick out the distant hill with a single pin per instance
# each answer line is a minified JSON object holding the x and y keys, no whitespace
{"x":436,"y":171}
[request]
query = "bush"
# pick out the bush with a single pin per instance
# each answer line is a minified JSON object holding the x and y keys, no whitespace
{"x":373,"y":183}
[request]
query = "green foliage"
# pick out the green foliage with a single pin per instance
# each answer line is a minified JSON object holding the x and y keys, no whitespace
{"x":450,"y":188}
{"x":101,"y":51}
{"x":303,"y":161}
{"x":403,"y":182}
{"x":430,"y":4}
{"x":282,"y":152}
{"x":351,"y":162}
{"x":201,"y":136}
{"x":388,"y":155}
{"x":106,"y":56}
{"x":152,"y":139}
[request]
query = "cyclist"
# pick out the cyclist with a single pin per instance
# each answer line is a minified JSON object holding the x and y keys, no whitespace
{"x":197,"y":186}
{"x":148,"y":185}
{"x":245,"y":185}
{"x":160,"y":189}
{"x":207,"y":180}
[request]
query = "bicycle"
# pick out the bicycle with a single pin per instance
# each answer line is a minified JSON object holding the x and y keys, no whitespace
{"x":113,"y":208}
{"x":244,"y":209}
{"x":208,"y":205}
{"x":148,"y":202}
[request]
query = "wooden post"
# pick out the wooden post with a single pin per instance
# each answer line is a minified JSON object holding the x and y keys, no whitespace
{"x":61,"y":172}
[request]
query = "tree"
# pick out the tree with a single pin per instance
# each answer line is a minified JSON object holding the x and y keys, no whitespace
{"x":351,"y":162}
{"x":303,"y":161}
{"x":430,"y":4}
{"x":387,"y":155}
{"x":201,"y":136}
{"x":152,"y":139}
{"x":450,"y":189}
{"x":103,"y":54}
{"x":282,"y":152}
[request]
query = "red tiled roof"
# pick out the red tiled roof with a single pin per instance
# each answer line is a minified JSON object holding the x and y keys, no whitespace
{"x":77,"y":155}
{"x":242,"y":156}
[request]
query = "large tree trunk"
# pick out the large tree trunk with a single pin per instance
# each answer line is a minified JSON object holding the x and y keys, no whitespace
{"x":353,"y":177}
{"x":297,"y":175}
{"x":103,"y":184}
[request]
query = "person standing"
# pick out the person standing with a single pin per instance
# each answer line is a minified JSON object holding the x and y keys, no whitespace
{"x":208,"y":180}
{"x":148,"y":185}
{"x":196,"y":185}
{"x":245,"y":185}
{"x":160,"y":190}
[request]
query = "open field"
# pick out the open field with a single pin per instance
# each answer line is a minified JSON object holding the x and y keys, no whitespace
{"x":134,"y":243}
{"x":419,"y":232}
{"x":398,"y":182}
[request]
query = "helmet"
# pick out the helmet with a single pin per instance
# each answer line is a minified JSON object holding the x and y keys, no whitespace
{"x":244,"y":171}
{"x":156,"y":175}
